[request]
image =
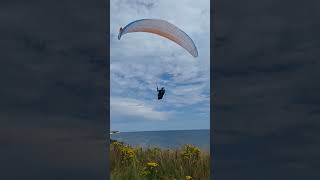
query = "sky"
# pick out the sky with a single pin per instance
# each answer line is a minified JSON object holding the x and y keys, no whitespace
{"x":140,"y":62}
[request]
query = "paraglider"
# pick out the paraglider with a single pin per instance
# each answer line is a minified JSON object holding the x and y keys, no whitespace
{"x":161,"y":28}
{"x":164,"y":29}
{"x":161,"y":92}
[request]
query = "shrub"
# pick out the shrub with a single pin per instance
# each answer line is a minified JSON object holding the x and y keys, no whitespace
{"x":136,"y":163}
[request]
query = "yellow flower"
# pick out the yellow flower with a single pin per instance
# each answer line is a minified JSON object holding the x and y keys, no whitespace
{"x":150,"y":170}
{"x":188,"y":177}
{"x":127,"y":154}
{"x":190,"y":152}
{"x":152,"y":164}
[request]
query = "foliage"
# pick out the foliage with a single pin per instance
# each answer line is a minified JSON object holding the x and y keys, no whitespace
{"x":136,"y":163}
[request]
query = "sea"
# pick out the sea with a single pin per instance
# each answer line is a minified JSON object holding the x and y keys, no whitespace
{"x":171,"y":139}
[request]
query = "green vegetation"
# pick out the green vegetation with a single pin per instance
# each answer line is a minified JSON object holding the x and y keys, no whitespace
{"x":135,"y":163}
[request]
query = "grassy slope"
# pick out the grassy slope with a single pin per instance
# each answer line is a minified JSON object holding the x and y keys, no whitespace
{"x":131,"y":163}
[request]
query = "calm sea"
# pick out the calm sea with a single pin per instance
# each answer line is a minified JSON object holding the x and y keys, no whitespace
{"x":166,"y":139}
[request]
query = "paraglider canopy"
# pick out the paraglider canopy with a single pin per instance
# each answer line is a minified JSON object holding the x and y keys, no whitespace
{"x":161,"y":28}
{"x":120,"y":32}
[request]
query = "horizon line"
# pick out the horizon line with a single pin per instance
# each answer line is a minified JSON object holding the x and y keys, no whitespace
{"x":160,"y":130}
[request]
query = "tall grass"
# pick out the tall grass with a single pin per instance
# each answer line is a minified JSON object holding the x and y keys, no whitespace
{"x":136,"y":163}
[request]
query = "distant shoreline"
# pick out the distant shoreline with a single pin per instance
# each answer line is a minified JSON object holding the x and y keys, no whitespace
{"x":114,"y":132}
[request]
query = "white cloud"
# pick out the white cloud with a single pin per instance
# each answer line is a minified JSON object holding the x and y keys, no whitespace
{"x":133,"y":107}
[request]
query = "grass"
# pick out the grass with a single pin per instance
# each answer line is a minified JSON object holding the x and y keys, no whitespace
{"x":136,"y":163}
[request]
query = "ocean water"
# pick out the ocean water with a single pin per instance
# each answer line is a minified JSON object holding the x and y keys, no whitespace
{"x":165,"y":139}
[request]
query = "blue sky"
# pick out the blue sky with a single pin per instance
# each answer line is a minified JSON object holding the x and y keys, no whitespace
{"x":141,"y":61}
